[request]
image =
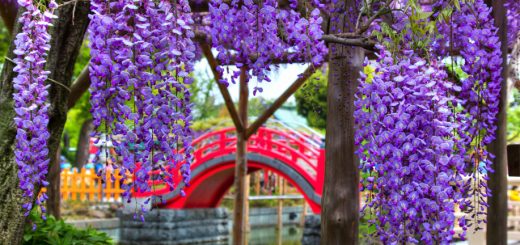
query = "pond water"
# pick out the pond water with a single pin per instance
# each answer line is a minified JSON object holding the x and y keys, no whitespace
{"x":289,"y":235}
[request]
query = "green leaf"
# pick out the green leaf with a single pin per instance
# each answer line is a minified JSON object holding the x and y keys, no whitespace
{"x":457,"y":4}
{"x":27,"y":237}
{"x":424,"y":15}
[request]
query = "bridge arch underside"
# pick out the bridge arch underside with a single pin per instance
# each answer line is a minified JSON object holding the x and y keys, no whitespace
{"x":211,"y":180}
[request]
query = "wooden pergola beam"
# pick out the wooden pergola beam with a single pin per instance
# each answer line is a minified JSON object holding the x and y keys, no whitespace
{"x":284,"y":59}
{"x":279,"y":102}
{"x":206,"y":49}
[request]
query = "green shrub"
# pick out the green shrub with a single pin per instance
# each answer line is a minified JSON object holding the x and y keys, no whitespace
{"x":57,"y":232}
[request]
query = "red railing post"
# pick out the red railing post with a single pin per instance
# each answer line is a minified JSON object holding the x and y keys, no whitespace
{"x":268,"y":140}
{"x":321,"y":169}
{"x":223,"y":140}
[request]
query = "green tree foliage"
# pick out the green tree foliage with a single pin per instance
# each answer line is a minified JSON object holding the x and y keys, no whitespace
{"x":513,"y":119}
{"x":203,"y":98}
{"x":78,"y":114}
{"x":5,"y":40}
{"x":257,"y":105}
{"x":311,"y":100}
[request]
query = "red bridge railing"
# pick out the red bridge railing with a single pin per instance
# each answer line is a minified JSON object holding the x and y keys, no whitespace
{"x":301,"y":152}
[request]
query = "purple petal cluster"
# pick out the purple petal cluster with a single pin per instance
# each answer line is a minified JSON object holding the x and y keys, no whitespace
{"x":406,"y":143}
{"x":142,"y":57}
{"x":256,"y":34}
{"x":30,"y":100}
{"x":513,"y":21}
{"x":473,"y":37}
{"x":423,"y":130}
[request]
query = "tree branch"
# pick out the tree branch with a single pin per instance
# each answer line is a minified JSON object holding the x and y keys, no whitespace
{"x":382,"y":10}
{"x":279,"y":102}
{"x":206,"y":49}
{"x":79,"y":87}
{"x":359,"y":42}
{"x":284,"y":59}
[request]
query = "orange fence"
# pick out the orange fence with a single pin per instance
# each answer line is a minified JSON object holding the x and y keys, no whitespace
{"x":87,"y":186}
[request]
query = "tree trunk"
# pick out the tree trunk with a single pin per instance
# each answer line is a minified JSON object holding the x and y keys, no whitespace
{"x":241,"y":183}
{"x":67,"y":36}
{"x":8,"y":11}
{"x":82,"y":150}
{"x":53,"y":189}
{"x":497,"y":212}
{"x":340,"y":200}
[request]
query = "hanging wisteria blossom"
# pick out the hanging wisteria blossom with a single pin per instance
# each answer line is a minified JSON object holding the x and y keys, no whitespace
{"x":31,"y":105}
{"x":258,"y":40}
{"x":513,"y":21}
{"x":423,"y":129}
{"x":142,"y":54}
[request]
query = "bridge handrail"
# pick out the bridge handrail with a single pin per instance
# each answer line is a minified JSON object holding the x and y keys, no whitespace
{"x":310,"y":149}
{"x":313,"y":139}
{"x":217,"y":141}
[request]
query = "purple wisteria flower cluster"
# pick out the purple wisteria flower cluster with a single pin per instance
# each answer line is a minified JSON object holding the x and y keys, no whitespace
{"x":30,"y":101}
{"x":254,"y":35}
{"x":423,"y":129}
{"x":406,"y":138}
{"x":513,"y":21}
{"x":474,"y":39}
{"x":142,"y":55}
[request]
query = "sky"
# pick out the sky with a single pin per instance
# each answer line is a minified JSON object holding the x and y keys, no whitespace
{"x":281,"y":79}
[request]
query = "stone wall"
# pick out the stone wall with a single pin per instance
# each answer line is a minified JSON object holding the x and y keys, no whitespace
{"x":311,"y":230}
{"x":172,"y":227}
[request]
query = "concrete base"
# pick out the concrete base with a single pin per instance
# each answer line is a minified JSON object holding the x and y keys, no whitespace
{"x":172,"y":227}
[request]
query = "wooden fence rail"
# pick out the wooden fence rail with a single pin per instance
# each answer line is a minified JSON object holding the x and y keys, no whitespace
{"x":85,"y":185}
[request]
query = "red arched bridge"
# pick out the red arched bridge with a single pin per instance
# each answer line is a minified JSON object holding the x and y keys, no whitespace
{"x":296,"y":156}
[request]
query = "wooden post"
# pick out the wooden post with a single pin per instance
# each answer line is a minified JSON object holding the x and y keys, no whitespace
{"x":239,"y":214}
{"x":497,"y":211}
{"x":279,"y":210}
{"x":340,"y":206}
{"x":246,"y":204}
{"x":257,"y":182}
{"x":304,"y":213}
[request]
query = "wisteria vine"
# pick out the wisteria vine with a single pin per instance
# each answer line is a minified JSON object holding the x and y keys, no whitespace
{"x":253,"y":35}
{"x":513,"y":21}
{"x":30,"y":100}
{"x":142,"y":54}
{"x":423,"y":128}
